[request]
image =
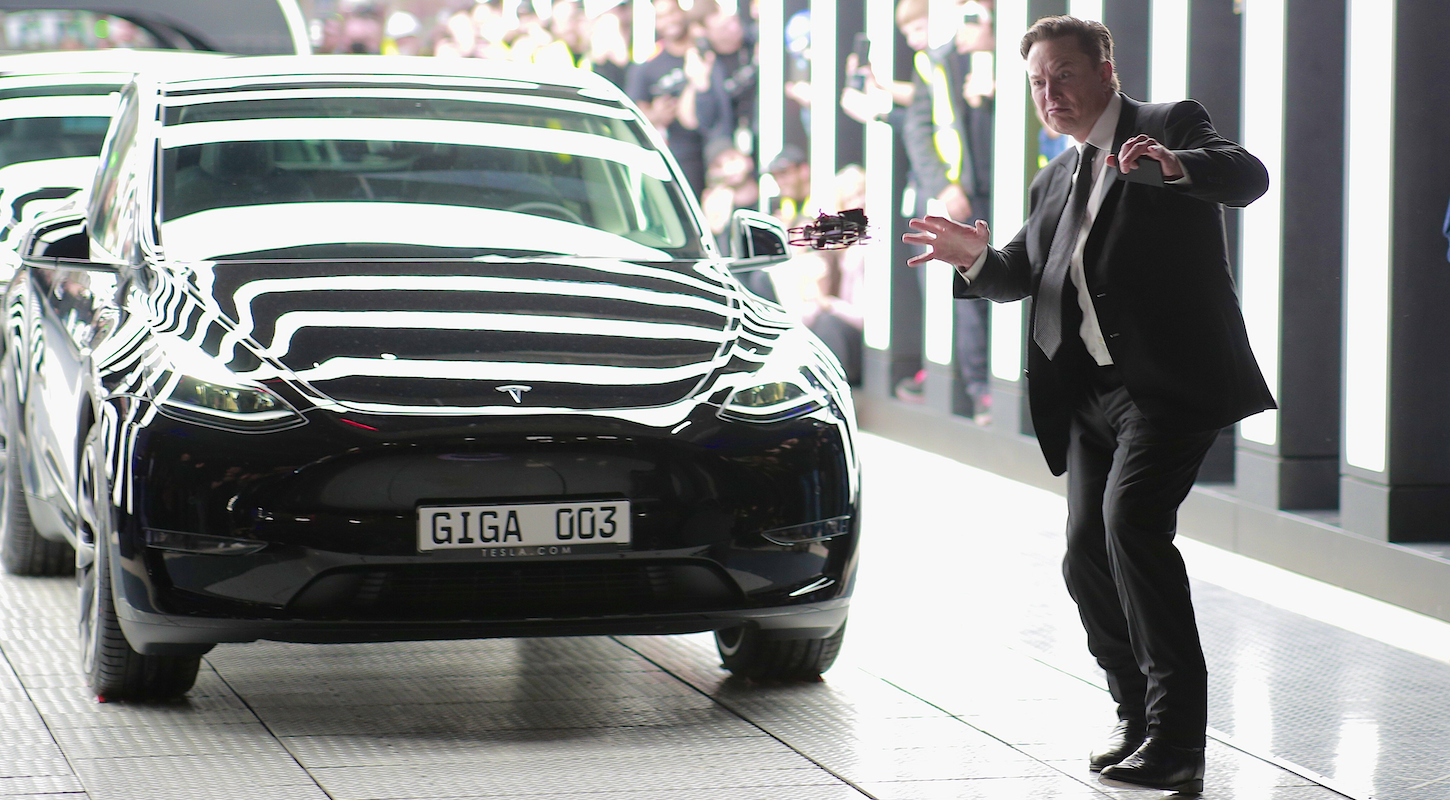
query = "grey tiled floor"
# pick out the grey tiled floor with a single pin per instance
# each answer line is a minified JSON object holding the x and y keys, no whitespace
{"x":964,"y":676}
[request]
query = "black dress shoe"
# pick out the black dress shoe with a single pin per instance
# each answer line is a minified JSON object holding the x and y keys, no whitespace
{"x":1159,"y":765}
{"x":1126,"y":738}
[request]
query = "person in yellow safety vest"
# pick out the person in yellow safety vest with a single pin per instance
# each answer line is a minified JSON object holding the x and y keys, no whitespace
{"x":947,"y":135}
{"x":936,"y":128}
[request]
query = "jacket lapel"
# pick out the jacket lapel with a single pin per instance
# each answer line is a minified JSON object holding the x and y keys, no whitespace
{"x":1127,"y":129}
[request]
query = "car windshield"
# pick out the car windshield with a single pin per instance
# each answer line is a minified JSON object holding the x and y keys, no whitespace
{"x":42,"y":122}
{"x":324,"y":172}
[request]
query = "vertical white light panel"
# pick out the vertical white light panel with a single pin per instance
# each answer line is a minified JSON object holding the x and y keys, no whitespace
{"x":944,"y":16}
{"x":1168,"y":51}
{"x":880,"y":155}
{"x":1086,"y":9}
{"x":771,"y":112}
{"x":1262,"y":235}
{"x":1009,"y":180}
{"x":1368,"y":203}
{"x":642,"y":38}
{"x":823,"y":104}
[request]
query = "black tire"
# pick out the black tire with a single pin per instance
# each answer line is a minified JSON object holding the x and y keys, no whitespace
{"x":114,"y":670}
{"x":747,"y":654}
{"x":23,"y":551}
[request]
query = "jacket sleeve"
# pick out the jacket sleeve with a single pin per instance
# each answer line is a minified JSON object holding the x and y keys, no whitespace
{"x":1221,"y":171}
{"x":1006,"y":275}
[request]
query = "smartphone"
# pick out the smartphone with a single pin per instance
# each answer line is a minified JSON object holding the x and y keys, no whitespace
{"x":1148,"y":171}
{"x":862,"y":49}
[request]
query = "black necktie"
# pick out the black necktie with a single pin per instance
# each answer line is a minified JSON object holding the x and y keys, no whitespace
{"x":1048,"y":311}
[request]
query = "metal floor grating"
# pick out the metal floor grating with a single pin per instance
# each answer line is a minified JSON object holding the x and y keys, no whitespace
{"x":964,"y":676}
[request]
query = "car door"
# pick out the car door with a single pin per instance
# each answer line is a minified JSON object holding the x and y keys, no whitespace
{"x":67,"y":304}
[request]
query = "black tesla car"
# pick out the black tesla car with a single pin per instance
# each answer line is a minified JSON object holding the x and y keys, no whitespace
{"x":356,"y":349}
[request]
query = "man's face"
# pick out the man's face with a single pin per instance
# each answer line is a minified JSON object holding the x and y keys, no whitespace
{"x":670,"y":22}
{"x":1070,"y":91}
{"x":794,"y":181}
{"x":917,"y":33}
{"x":724,"y":32}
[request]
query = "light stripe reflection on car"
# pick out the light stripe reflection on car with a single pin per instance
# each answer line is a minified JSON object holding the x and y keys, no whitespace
{"x":100,"y":106}
{"x":607,"y":111}
{"x":206,"y":235}
{"x":422,"y":131}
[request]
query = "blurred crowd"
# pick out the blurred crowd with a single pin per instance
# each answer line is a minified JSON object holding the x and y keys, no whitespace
{"x":698,"y":88}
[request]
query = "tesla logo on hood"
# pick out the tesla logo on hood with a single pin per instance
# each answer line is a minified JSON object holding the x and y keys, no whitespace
{"x":516,"y":391}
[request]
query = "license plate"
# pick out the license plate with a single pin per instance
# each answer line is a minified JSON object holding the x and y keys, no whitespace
{"x":530,"y":529}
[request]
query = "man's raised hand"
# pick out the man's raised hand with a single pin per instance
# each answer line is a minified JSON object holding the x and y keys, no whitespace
{"x":949,"y":241}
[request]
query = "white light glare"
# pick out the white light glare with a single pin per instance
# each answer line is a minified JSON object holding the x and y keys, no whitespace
{"x":1262,"y":245}
{"x":1168,"y":51}
{"x":1009,"y":186}
{"x":880,"y":153}
{"x":1086,"y":9}
{"x":1368,"y":200}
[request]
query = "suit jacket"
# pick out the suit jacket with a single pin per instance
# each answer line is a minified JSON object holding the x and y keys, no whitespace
{"x":1157,"y":268}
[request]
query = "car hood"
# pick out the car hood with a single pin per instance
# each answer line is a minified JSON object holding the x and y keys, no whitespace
{"x":415,"y":336}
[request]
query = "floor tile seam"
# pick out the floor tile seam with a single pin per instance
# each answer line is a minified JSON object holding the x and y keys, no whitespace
{"x":1431,"y":782}
{"x":268,"y":728}
{"x":50,"y":732}
{"x":1213,"y":733}
{"x":962,"y":719}
{"x":843,"y":779}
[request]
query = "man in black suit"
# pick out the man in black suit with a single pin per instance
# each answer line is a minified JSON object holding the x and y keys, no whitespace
{"x":1138,"y":357}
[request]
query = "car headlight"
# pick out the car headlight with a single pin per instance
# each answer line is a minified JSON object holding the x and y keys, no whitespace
{"x":786,"y":397}
{"x":199,"y":389}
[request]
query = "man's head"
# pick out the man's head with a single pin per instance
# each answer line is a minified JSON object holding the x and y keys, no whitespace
{"x":1070,"y":67}
{"x":671,"y":23}
{"x":912,"y":19}
{"x":792,"y":172}
{"x":724,"y":30}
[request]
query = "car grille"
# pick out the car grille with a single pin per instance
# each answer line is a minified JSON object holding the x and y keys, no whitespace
{"x":515,"y":590}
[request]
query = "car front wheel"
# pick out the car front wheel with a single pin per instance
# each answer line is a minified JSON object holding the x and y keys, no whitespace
{"x":747,"y":654}
{"x":114,"y":670}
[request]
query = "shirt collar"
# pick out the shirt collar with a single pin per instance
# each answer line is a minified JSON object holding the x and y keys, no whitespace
{"x":1101,"y":136}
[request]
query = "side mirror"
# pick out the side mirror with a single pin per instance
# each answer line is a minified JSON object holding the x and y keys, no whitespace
{"x":757,"y":239}
{"x":59,"y":241}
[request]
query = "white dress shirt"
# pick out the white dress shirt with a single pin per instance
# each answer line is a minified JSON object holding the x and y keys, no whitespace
{"x":1100,"y":137}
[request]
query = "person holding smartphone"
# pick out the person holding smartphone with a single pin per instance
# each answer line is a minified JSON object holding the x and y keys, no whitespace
{"x":667,"y":88}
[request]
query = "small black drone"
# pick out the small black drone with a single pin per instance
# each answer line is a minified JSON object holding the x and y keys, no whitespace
{"x":832,"y":231}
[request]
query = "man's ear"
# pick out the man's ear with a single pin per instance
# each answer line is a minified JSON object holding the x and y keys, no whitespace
{"x":1105,"y":72}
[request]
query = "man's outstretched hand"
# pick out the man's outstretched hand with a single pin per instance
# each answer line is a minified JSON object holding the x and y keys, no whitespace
{"x":949,"y":241}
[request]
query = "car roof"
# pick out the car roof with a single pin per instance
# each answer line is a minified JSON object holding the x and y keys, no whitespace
{"x":227,"y":26}
{"x":120,"y":63}
{"x":369,"y":70}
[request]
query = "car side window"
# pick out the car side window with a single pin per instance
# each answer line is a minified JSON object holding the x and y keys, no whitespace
{"x":111,"y":214}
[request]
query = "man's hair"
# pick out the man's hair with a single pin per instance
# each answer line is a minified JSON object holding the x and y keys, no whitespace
{"x":1093,"y":39}
{"x":908,"y":11}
